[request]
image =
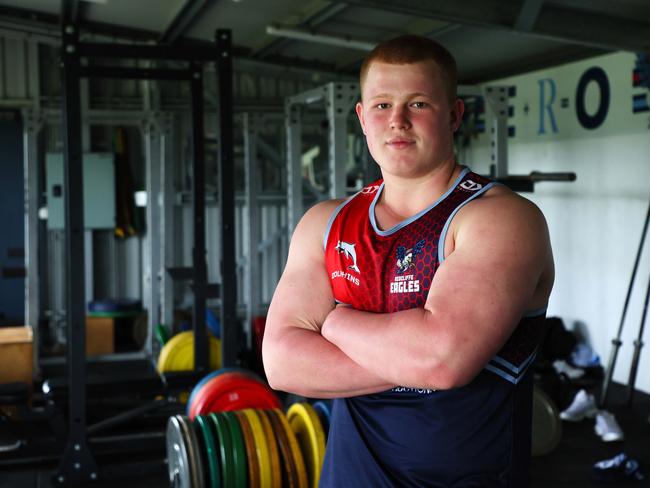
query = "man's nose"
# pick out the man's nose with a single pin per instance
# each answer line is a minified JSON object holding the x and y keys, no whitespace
{"x":399,"y":118}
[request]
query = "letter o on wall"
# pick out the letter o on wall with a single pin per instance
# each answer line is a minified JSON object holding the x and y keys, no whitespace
{"x":599,"y":76}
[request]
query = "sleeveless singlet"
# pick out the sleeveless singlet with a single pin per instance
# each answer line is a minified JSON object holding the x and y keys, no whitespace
{"x":478,"y":435}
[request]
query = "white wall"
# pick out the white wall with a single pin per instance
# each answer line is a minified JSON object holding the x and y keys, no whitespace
{"x":595,"y":222}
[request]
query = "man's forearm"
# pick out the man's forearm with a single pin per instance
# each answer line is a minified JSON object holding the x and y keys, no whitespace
{"x":301,"y":361}
{"x":394,"y":346}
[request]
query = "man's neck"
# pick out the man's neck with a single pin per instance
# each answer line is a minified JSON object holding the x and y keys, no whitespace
{"x":402,"y":198}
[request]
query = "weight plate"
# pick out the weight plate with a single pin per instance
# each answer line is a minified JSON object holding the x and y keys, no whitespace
{"x":178,"y":353}
{"x":194,"y":457}
{"x":295,"y":450}
{"x":274,"y":455}
{"x":239,"y":450}
{"x":115,"y":305}
{"x":306,"y":426}
{"x":225,"y":449}
{"x":203,"y":394}
{"x":211,"y":389}
{"x":251,"y":455}
{"x":261,"y":446}
{"x":324,"y":410}
{"x":233,"y":392}
{"x":547,"y":426}
{"x":178,"y":465}
{"x":200,"y":449}
{"x":290,"y":470}
{"x":211,"y":451}
{"x":214,"y":374}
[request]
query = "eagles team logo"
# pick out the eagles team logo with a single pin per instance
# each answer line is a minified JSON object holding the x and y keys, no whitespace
{"x":405,"y":282}
{"x":405,"y":256}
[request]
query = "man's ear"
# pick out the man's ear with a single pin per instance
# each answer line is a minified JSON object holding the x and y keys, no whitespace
{"x":359,"y":109}
{"x":457,"y":111}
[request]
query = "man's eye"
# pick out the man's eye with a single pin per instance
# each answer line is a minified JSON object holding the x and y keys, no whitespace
{"x":419,"y":104}
{"x":383,"y":106}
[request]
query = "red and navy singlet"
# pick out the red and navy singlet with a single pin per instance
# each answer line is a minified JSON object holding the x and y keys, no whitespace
{"x":474,"y":436}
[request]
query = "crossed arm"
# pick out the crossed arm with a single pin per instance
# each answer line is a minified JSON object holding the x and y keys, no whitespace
{"x":501,"y":265}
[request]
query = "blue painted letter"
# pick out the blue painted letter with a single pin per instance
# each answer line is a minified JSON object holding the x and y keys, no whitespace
{"x":545,"y":106}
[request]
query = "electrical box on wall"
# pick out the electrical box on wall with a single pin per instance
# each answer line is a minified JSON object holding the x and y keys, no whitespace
{"x":98,"y":189}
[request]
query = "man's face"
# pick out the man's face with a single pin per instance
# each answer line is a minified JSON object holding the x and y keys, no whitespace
{"x":407,"y":118}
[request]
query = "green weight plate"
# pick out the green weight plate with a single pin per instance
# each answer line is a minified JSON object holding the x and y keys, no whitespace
{"x":178,"y":465}
{"x":211,"y":451}
{"x":225,"y":449}
{"x":547,"y":426}
{"x":194,"y":458}
{"x":239,"y":450}
{"x":201,"y":450}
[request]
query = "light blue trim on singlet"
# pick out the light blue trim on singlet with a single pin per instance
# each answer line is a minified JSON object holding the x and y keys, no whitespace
{"x":518,"y":370}
{"x":503,"y":374}
{"x":512,"y":367}
{"x":333,"y":216}
{"x":512,"y":379}
{"x":443,"y":235}
{"x":404,"y":223}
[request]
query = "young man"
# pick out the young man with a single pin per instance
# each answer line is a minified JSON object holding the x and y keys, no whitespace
{"x":418,"y":303}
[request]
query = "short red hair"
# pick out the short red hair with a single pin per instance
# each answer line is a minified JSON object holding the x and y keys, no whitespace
{"x":409,"y":49}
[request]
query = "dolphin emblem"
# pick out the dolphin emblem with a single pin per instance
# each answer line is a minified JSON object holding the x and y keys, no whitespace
{"x":350,"y":253}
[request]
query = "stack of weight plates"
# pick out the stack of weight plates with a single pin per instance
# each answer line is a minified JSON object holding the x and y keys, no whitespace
{"x":178,"y":353}
{"x":246,"y":448}
{"x":230,"y":389}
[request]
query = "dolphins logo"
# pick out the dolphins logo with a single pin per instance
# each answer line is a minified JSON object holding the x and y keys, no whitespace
{"x":350,"y":253}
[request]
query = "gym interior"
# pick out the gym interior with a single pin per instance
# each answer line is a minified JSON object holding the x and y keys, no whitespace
{"x":157,"y":157}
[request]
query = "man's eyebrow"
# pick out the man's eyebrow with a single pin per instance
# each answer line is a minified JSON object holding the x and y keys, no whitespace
{"x":389,"y":96}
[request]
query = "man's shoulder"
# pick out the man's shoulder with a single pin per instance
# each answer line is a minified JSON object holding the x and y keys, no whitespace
{"x":312,"y":225}
{"x":321,"y":211}
{"x":501,"y":207}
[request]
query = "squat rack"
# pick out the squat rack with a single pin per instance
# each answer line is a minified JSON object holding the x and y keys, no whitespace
{"x":339,"y":100}
{"x":77,"y":465}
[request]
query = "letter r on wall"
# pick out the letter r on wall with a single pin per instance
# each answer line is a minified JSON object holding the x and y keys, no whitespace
{"x":545,"y":104}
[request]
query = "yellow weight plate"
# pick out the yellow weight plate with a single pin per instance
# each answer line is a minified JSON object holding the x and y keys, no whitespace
{"x":276,"y":469}
{"x":178,"y":353}
{"x":295,"y":450}
{"x":261,"y":446}
{"x":304,"y":422}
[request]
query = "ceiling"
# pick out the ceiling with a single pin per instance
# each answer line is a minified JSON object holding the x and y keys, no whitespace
{"x":490,"y":38}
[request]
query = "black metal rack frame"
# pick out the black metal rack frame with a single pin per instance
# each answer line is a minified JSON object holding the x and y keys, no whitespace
{"x":77,"y":465}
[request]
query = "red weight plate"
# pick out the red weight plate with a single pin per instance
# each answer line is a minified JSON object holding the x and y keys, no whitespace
{"x":200,"y":395}
{"x":234,"y":393}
